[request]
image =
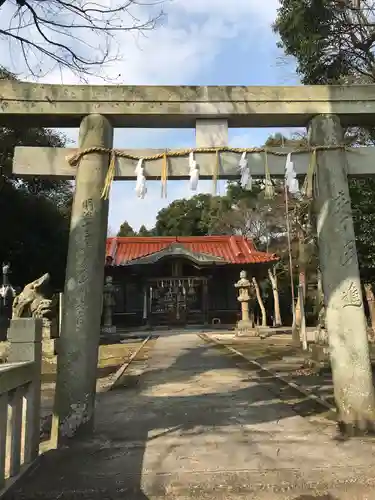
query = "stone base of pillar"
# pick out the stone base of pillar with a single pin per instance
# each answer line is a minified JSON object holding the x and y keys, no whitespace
{"x":265,"y":331}
{"x":108,"y":330}
{"x":246,"y":329}
{"x":50,"y":333}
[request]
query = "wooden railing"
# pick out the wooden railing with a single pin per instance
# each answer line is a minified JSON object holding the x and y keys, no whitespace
{"x":20,"y":386}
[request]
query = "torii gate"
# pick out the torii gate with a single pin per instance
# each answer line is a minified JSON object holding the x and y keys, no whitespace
{"x":97,"y":109}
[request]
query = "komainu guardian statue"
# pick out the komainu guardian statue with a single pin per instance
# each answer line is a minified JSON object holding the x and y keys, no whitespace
{"x":36,"y":301}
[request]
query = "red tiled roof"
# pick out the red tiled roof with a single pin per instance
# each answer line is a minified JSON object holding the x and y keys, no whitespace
{"x":233,"y":249}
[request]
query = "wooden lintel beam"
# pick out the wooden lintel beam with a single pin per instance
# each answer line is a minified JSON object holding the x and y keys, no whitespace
{"x":52,"y":162}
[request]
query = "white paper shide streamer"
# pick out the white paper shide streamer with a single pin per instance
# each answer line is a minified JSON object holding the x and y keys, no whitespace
{"x":194,"y":172}
{"x":246,"y":179}
{"x":291,"y":176}
{"x":140,"y":187}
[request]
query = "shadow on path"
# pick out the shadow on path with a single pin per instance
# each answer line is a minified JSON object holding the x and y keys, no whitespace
{"x":194,"y":424}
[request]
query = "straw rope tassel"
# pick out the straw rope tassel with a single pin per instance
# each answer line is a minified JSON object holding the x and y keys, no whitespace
{"x":216,"y":173}
{"x":75,"y":159}
{"x":109,"y":177}
{"x":308,"y":184}
{"x":269,"y":191}
{"x":164,"y":176}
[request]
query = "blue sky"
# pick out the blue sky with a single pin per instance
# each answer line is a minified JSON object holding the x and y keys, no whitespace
{"x":244,"y":53}
{"x":200,"y":42}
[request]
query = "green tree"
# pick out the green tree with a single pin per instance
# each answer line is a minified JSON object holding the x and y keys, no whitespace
{"x":126,"y":230}
{"x":35,"y":213}
{"x":338,"y":39}
{"x":196,"y":216}
{"x":143,"y":231}
{"x":333,"y":42}
{"x":253,"y":216}
{"x":34,"y":235}
{"x":362,"y":193}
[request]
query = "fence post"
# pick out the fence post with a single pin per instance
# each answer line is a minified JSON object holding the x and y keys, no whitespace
{"x":25,"y":335}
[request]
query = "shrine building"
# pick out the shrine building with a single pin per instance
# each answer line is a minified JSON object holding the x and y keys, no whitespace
{"x":180,"y":281}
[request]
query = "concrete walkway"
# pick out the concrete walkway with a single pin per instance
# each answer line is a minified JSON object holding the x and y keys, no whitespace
{"x":199,"y":427}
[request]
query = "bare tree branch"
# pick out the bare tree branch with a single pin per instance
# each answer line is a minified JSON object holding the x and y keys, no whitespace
{"x":77,"y":35}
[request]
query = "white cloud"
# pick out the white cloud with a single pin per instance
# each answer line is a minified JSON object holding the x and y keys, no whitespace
{"x":190,"y":38}
{"x":186,"y":49}
{"x":231,"y":11}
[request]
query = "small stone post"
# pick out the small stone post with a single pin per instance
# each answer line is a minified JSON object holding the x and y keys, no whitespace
{"x":80,"y":328}
{"x":244,"y":326}
{"x":345,"y":317}
{"x":25,"y":336}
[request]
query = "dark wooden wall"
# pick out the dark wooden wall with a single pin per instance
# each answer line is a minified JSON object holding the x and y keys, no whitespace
{"x":222,"y":295}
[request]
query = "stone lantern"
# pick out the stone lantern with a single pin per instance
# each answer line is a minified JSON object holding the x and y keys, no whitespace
{"x":245,"y":296}
{"x":7,"y":294}
{"x":109,"y":303}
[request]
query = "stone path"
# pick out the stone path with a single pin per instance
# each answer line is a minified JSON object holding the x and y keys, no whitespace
{"x":199,"y":427}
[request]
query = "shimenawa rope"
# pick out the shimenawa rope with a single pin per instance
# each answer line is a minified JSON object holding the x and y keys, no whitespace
{"x":117,"y":153}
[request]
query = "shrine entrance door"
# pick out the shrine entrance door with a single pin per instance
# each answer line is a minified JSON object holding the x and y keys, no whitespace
{"x":177,"y":301}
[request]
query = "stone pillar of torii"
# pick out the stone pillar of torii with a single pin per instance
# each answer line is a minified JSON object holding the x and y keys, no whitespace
{"x":320,"y":108}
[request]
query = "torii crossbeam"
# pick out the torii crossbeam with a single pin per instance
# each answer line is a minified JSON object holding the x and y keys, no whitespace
{"x":180,"y":106}
{"x":53,"y":163}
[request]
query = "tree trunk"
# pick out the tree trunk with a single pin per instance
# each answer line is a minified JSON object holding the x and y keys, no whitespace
{"x":301,"y":282}
{"x":370,"y":297}
{"x":320,"y":306}
{"x":275,"y":290}
{"x":260,"y":302}
{"x":296,"y":340}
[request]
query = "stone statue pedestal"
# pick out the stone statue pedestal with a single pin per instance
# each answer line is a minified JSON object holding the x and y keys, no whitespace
{"x":321,"y":337}
{"x":320,"y":347}
{"x":108,"y":330}
{"x":50,"y":333}
{"x":50,"y":329}
{"x":245,"y":328}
